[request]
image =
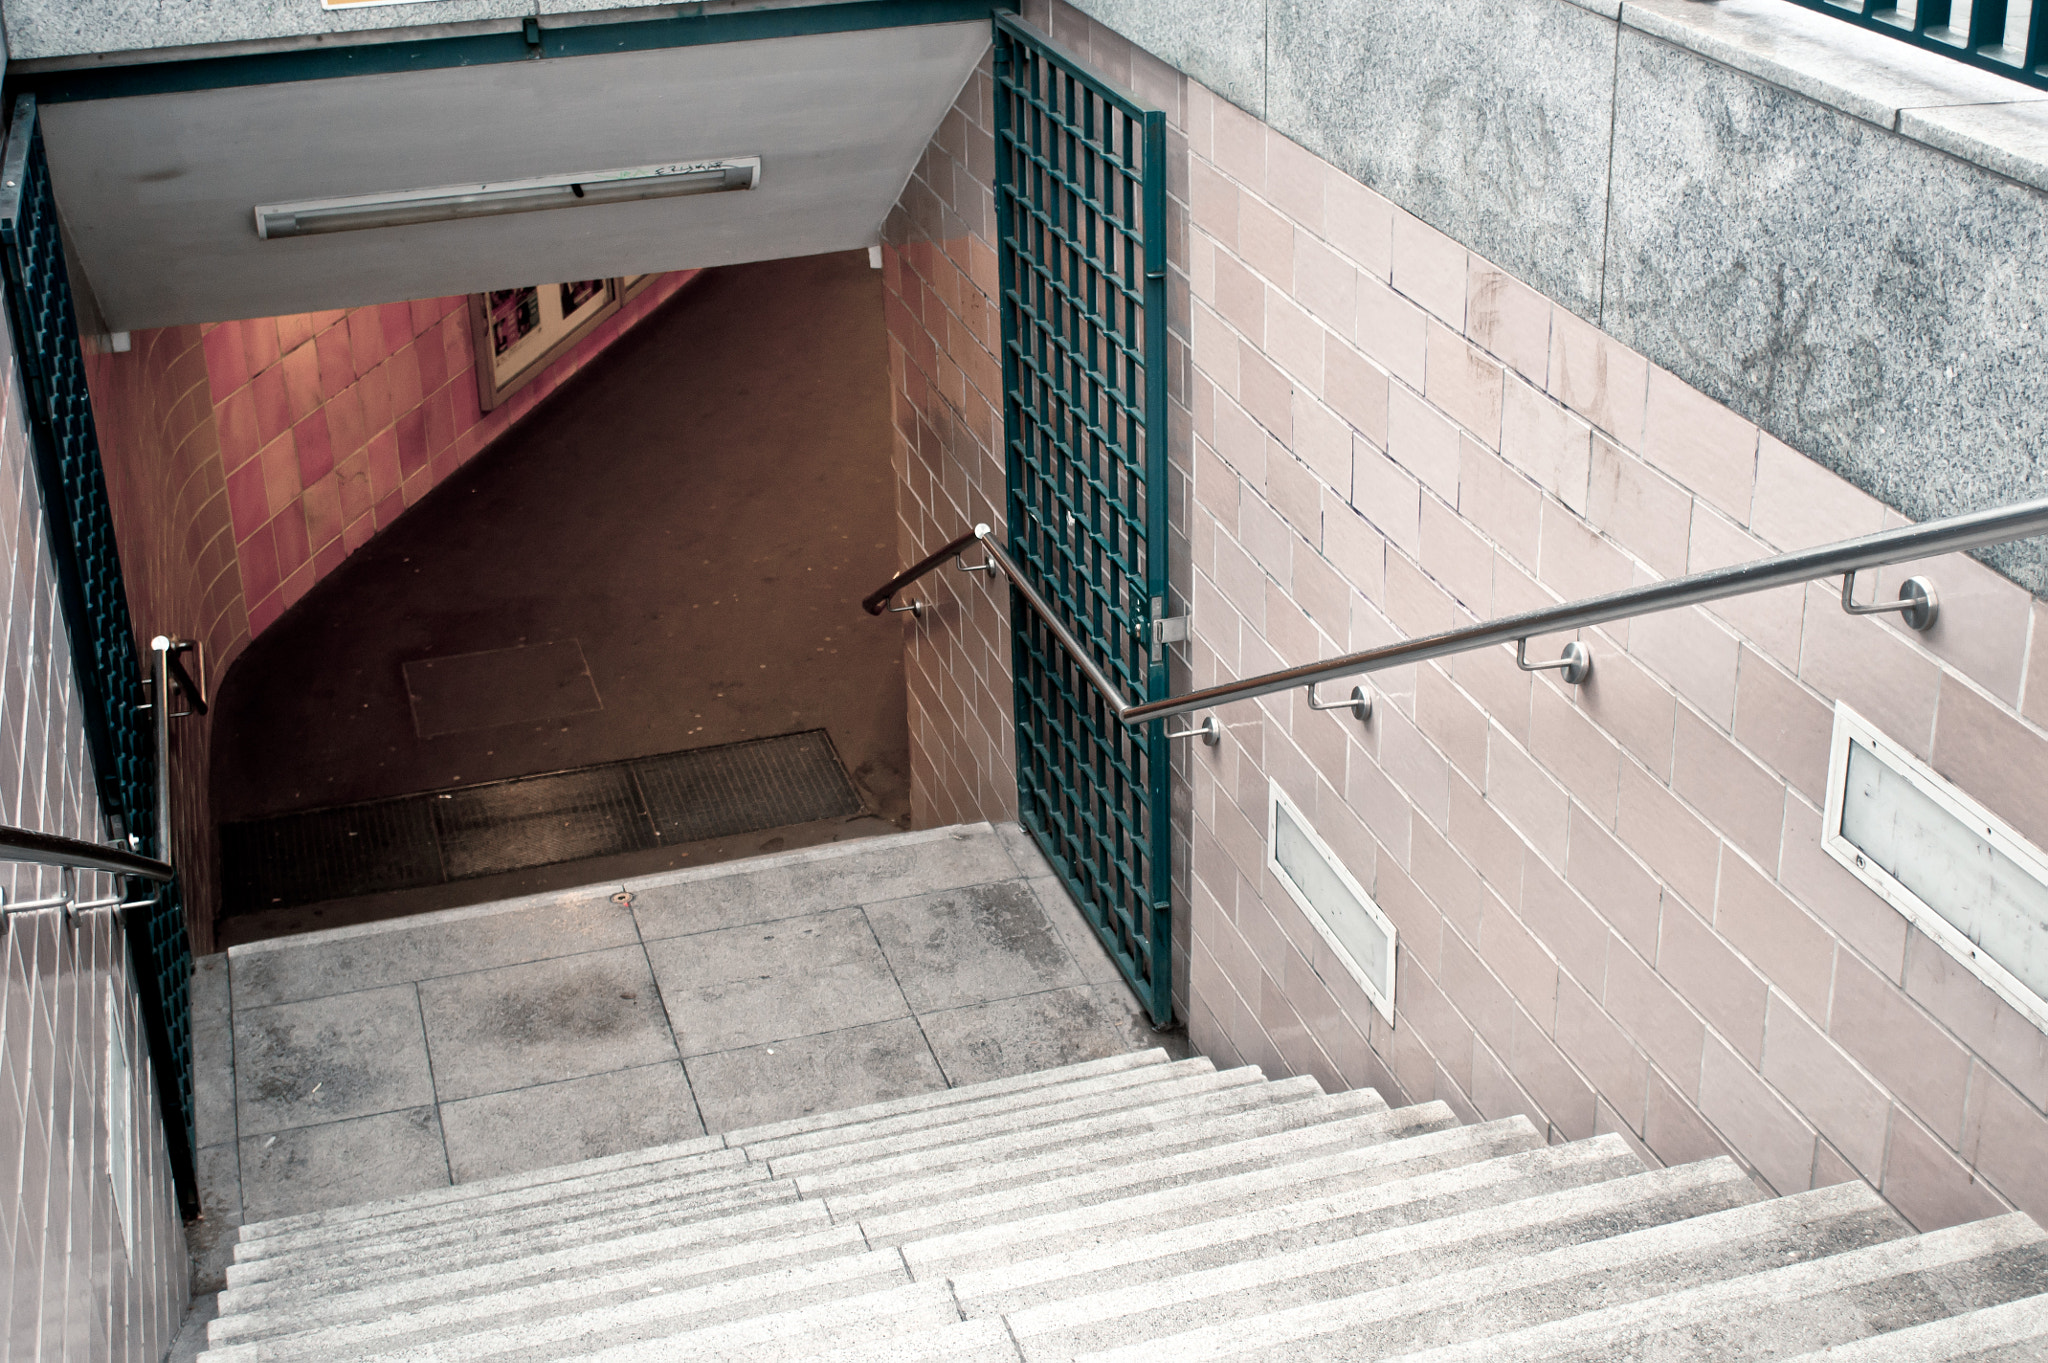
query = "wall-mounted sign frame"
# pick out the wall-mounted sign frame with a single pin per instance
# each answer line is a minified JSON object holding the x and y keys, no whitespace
{"x":1967,"y":879}
{"x":520,"y":332}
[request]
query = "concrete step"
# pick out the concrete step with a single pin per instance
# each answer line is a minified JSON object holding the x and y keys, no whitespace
{"x":394,"y":1282}
{"x":1047,"y":1326}
{"x":792,"y":1336}
{"x":540,"y":1312}
{"x":1497,"y":1297}
{"x":1847,"y":1297}
{"x":704,"y":1152}
{"x":967,"y":1341}
{"x":923,"y":1112}
{"x":588,"y":1311}
{"x":459,"y":1245}
{"x":796,"y":1233}
{"x":1489,"y":1209}
{"x":1169,"y":1124}
{"x":310,"y":1274}
{"x":590,"y":1208}
{"x":590,"y":1217}
{"x":2016,"y":1332}
{"x":1507,"y":1157}
{"x":865,"y":1152}
{"x":957,"y":1201}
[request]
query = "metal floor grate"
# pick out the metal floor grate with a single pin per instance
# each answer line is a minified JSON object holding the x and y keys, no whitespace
{"x":440,"y":836}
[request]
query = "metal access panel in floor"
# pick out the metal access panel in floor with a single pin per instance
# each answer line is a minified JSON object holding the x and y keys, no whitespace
{"x":436,"y":837}
{"x":1080,"y":197}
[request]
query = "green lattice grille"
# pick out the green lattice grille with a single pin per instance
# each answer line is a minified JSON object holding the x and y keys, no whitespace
{"x":74,"y":489}
{"x":1081,"y":241}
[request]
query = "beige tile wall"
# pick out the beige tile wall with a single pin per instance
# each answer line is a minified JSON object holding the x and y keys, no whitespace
{"x":76,"y":1286}
{"x":1613,"y":907}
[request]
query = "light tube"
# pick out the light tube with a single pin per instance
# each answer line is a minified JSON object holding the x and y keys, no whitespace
{"x":447,"y":203}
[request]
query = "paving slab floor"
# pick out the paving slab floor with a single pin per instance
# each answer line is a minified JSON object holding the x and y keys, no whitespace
{"x":367,"y":1061}
{"x":695,"y":517}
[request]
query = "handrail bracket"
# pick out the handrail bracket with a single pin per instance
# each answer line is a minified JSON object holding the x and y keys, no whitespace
{"x":1573,"y":666}
{"x":1918,"y":606}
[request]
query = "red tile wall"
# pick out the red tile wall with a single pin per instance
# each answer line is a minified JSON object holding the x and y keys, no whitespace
{"x":333,"y":423}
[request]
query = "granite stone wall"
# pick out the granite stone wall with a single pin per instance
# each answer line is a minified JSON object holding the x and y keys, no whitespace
{"x":1613,"y":909}
{"x":1822,"y":229}
{"x":81,"y":1280}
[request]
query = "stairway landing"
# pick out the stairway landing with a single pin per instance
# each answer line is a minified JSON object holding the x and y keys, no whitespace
{"x":368,"y":1062}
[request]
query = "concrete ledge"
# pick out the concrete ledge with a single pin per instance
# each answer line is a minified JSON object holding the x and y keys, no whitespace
{"x":1977,"y":115}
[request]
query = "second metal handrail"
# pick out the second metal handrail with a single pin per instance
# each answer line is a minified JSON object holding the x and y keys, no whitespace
{"x":1973,"y":530}
{"x":75,"y":854}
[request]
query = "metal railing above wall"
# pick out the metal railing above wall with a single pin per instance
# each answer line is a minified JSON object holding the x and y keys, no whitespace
{"x":1917,"y":605}
{"x":1978,"y":32}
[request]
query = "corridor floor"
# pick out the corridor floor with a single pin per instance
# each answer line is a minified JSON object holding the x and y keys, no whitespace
{"x":697,"y":515}
{"x":370,"y":1061}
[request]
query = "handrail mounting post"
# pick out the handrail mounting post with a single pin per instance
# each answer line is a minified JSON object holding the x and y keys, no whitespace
{"x":1918,"y":606}
{"x":1210,"y":731}
{"x":1359,"y":703}
{"x":1573,"y":666}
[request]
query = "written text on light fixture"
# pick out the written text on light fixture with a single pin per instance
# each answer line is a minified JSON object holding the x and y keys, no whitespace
{"x":445,"y":203}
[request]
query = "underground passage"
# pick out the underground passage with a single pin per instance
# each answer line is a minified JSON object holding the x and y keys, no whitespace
{"x":1024,"y":679}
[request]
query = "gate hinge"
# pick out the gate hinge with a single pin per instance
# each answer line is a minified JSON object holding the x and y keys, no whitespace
{"x":1160,"y":629}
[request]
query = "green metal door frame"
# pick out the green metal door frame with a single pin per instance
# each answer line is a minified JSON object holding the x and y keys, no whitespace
{"x":1080,"y":198}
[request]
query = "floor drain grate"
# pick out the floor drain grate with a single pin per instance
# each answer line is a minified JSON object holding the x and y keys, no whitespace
{"x":439,"y":836}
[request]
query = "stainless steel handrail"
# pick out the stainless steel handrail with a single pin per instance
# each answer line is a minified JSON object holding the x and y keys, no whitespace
{"x":48,"y":849}
{"x":75,"y":854}
{"x":1973,"y":530}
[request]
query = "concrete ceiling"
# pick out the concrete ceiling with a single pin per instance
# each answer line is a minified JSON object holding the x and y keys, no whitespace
{"x":157,"y":190}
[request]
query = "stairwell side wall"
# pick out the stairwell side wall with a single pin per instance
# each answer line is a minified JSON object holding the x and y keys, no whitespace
{"x":946,"y":405}
{"x":79,"y":1283}
{"x":161,"y":452}
{"x":941,"y":285}
{"x":1614,"y":912}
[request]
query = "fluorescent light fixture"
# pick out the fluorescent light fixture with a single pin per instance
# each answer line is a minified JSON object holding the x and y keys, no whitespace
{"x":446,"y":203}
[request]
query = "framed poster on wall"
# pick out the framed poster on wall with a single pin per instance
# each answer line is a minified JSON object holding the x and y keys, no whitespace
{"x":519,"y":332}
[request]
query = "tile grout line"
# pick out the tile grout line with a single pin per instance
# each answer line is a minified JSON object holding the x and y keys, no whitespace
{"x":668,"y":1019}
{"x":433,"y":1088}
{"x":897,"y":980}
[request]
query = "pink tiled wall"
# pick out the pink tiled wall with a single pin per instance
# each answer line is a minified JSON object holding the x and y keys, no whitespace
{"x":154,"y":411}
{"x":333,"y":423}
{"x":1614,"y":911}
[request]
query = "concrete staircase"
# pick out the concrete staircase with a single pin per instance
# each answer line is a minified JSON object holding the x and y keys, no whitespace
{"x":1131,"y":1208}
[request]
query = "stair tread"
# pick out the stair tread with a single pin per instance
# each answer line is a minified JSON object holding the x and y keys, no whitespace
{"x":1380,"y":1261}
{"x":1533,"y":1187}
{"x":950,"y":1202}
{"x":2015,"y":1331}
{"x":1495,"y":1298}
{"x":1803,"y":1306}
{"x":1161,"y":1118}
{"x":795,"y":1230}
{"x":636,"y":1198}
{"x":728,"y":1147}
{"x":927,"y":1111}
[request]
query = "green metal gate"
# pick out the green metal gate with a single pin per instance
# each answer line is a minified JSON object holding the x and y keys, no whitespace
{"x":1080,"y":196}
{"x":66,"y":448}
